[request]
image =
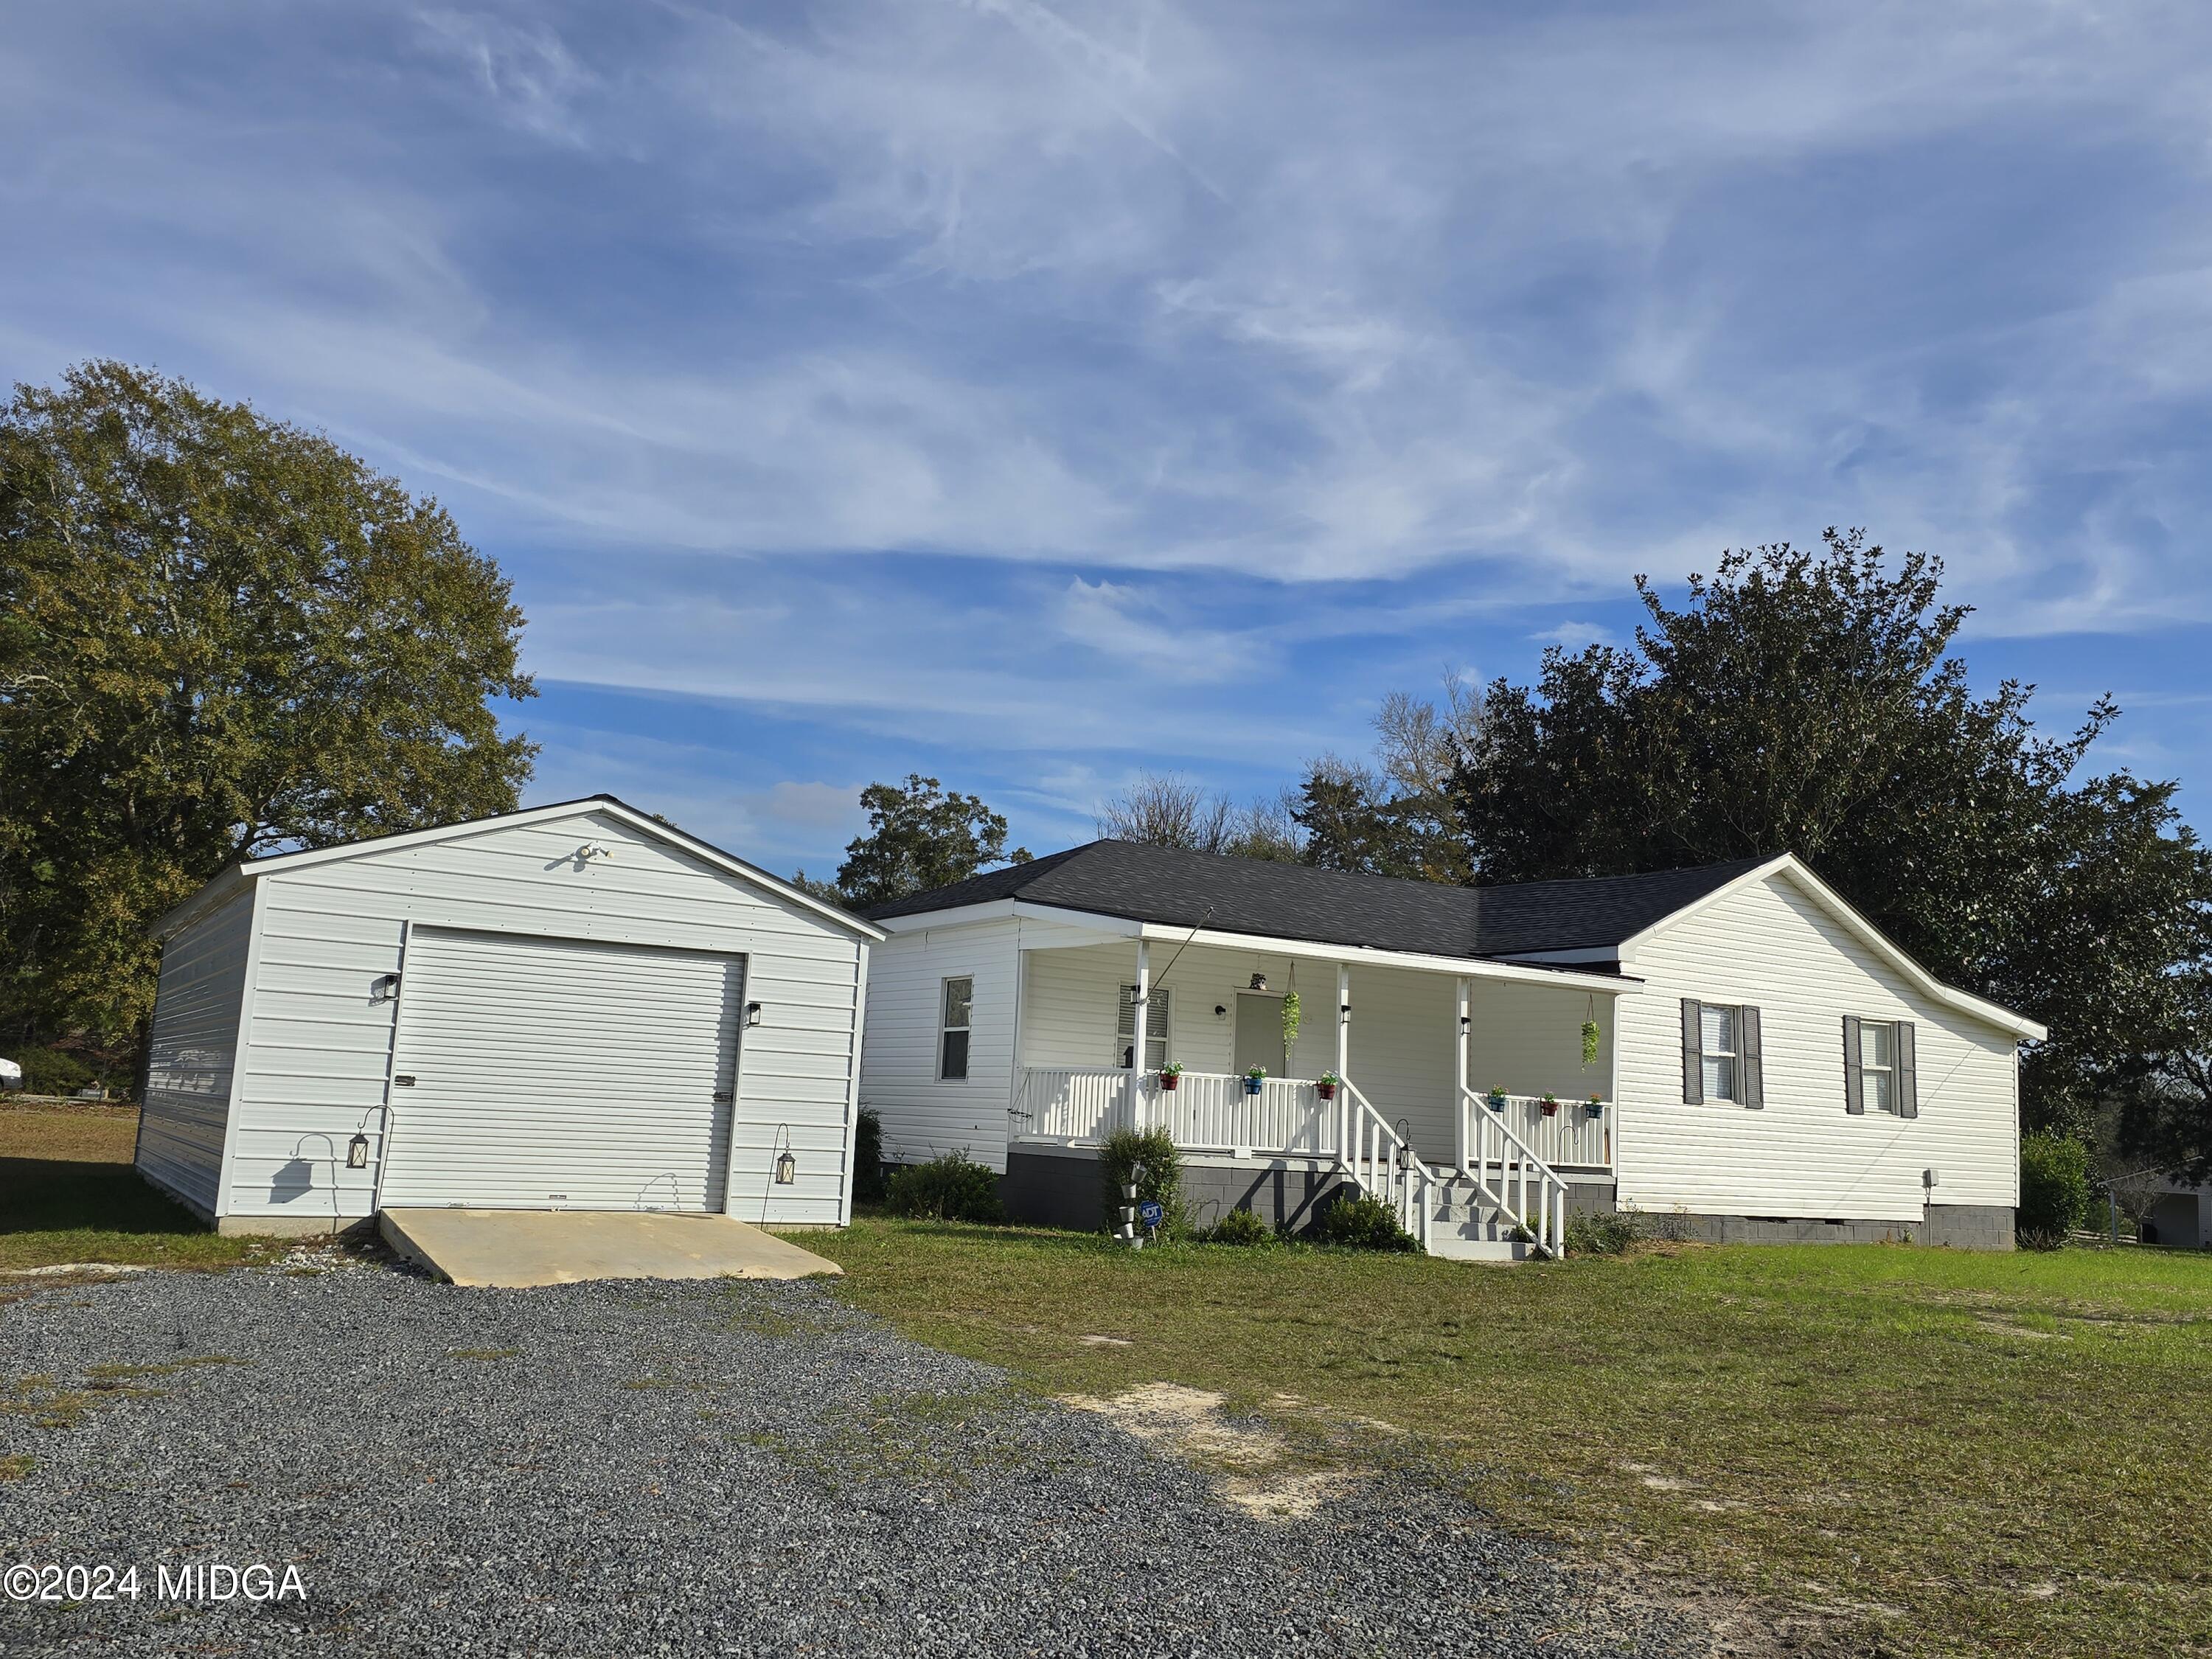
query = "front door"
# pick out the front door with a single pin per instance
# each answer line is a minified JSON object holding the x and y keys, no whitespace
{"x":1260,"y":1033}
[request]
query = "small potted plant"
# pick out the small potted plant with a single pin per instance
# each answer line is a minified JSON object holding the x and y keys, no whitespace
{"x":1254,"y":1078}
{"x":1325,"y":1085}
{"x":1550,"y":1103}
{"x":1497,"y":1098}
{"x":1596,"y":1106}
{"x":1171,"y":1074}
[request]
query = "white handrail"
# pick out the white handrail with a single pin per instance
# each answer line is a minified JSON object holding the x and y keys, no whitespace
{"x":1481,"y":1125}
{"x":1383,"y":1163}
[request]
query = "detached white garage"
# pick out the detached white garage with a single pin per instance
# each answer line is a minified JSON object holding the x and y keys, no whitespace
{"x":571,"y":1007}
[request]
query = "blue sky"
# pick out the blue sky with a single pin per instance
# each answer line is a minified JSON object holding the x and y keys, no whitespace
{"x":1027,"y":394}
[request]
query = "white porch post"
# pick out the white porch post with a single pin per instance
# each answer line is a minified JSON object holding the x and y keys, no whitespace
{"x":1344,"y":1061}
{"x":1137,"y":1012}
{"x":1611,"y":1139}
{"x":1459,"y":1074}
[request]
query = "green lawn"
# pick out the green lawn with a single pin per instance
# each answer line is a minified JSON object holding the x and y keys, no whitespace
{"x":1919,"y":1451}
{"x":67,"y":1194}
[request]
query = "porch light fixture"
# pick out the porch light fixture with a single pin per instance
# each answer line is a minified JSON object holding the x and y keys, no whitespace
{"x":1221,"y":1010}
{"x":753,"y":1014}
{"x":1259,"y":981}
{"x":357,"y":1152}
{"x":384,"y":987}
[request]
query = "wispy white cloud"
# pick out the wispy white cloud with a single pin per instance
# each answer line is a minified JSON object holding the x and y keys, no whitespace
{"x":1216,"y":363}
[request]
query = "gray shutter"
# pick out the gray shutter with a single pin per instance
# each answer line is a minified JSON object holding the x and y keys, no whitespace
{"x":1853,"y":1086}
{"x":1125,"y":1028}
{"x":1693,"y":1054}
{"x":1908,"y":1081}
{"x":1752,"y":1091}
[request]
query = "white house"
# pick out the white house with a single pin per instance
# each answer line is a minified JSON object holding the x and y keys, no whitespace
{"x":573,"y":1006}
{"x":1763,"y":1061}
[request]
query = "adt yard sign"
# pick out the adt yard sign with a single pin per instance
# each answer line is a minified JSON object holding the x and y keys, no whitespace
{"x":1150,"y":1214}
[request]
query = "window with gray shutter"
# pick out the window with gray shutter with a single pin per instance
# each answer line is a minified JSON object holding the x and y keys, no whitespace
{"x":1694,"y":1059}
{"x":1879,"y":1067}
{"x":1156,"y":1025}
{"x":1751,"y":1058}
{"x":1854,"y":1091}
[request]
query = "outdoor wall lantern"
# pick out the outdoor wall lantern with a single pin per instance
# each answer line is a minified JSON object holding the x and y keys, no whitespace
{"x":1221,"y":1010}
{"x":787,"y":1169}
{"x":753,"y":1014}
{"x":385,"y":988}
{"x":357,"y":1152}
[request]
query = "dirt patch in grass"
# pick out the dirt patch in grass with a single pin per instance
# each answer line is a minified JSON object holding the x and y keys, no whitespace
{"x":1255,"y":1468}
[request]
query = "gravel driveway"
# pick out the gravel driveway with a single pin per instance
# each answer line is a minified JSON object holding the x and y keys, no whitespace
{"x":639,"y":1468}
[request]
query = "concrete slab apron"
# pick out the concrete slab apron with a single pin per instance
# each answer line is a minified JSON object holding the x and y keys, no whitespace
{"x":512,"y":1248}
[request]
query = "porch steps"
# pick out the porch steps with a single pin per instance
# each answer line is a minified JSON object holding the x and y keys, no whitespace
{"x":1465,"y":1226}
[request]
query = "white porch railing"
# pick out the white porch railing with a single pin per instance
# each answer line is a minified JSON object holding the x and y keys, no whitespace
{"x":1573,"y":1136}
{"x":1205,"y":1112}
{"x":1383,"y":1163}
{"x":1505,"y":1167}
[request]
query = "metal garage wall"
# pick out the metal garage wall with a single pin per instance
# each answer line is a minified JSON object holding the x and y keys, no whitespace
{"x":313,"y":1069}
{"x":192,"y":1051}
{"x":531,"y":1071}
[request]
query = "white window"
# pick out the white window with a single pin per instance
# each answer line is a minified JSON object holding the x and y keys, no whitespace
{"x":1878,"y":1065}
{"x":1717,"y":1046}
{"x":1156,"y":1025}
{"x":953,"y":1030}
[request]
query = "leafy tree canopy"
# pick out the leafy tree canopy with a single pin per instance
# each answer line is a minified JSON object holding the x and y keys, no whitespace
{"x":219,"y":636}
{"x":1806,"y":702}
{"x":919,"y":837}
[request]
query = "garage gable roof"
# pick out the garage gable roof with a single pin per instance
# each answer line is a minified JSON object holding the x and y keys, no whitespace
{"x":644,"y":823}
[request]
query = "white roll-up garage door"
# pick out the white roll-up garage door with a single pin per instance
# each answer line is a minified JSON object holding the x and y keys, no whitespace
{"x":530,"y":1073}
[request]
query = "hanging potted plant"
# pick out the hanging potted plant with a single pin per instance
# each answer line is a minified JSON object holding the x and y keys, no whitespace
{"x":1325,"y":1085}
{"x":1290,"y":1020}
{"x":1596,"y":1107}
{"x":1550,"y":1103}
{"x":1254,"y":1078}
{"x":1590,"y":1035}
{"x":1497,"y":1098}
{"x":1171,"y":1074}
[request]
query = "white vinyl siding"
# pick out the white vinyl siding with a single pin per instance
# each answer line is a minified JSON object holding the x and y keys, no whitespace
{"x":319,"y":1045}
{"x":191,"y":1054}
{"x":925,"y":1115}
{"x":545,"y":1071}
{"x":1772,"y":946}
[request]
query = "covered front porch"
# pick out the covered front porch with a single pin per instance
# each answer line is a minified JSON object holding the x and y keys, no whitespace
{"x":1450,"y":1061}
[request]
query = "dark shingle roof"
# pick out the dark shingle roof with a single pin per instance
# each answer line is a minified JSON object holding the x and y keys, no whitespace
{"x":1291,"y":900}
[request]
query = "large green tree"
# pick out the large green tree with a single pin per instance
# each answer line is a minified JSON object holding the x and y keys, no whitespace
{"x":920,"y":836}
{"x":1806,"y":701}
{"x":220,"y":634}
